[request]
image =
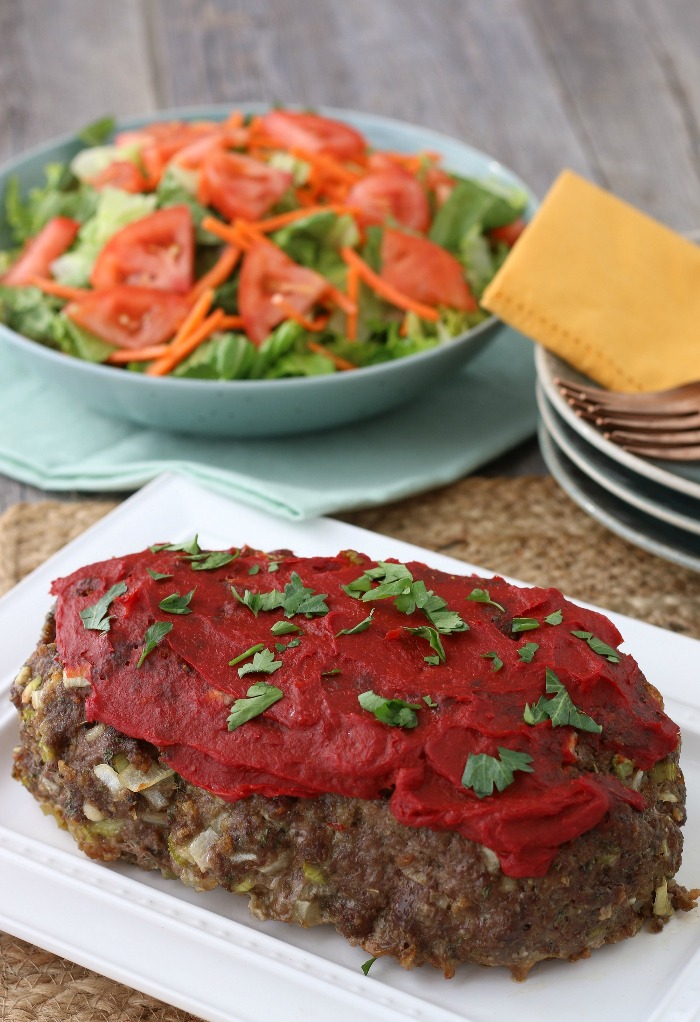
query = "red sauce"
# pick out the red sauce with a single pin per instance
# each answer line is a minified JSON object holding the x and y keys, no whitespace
{"x":318,"y":739}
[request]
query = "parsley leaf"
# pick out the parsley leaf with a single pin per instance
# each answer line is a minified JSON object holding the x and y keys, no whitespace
{"x":527,"y":652}
{"x":260,"y":697}
{"x":280,"y":646}
{"x":211,"y":560}
{"x":524,"y":624}
{"x":394,"y":712}
{"x":600,"y":647}
{"x":492,"y":655}
{"x":395,"y":580}
{"x":368,"y":965}
{"x":263,"y":662}
{"x":482,"y":772}
{"x":253,"y":569}
{"x":358,"y":587}
{"x":482,"y":596}
{"x":259,"y":601}
{"x":434,"y":661}
{"x":431,"y":634}
{"x":555,"y":618}
{"x":246,"y":654}
{"x":285,"y":628}
{"x":560,"y":708}
{"x":176,"y":604}
{"x":361,"y":627}
{"x":190,"y":546}
{"x":153,"y":636}
{"x":299,"y":599}
{"x":273,"y":566}
{"x":327,"y":674}
{"x":428,"y":700}
{"x":157,"y":575}
{"x":96,"y":617}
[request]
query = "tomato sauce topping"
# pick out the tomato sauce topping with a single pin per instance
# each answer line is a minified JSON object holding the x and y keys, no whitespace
{"x":317,"y":738}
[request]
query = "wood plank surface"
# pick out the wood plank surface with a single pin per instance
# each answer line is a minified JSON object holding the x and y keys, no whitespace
{"x":610,"y":89}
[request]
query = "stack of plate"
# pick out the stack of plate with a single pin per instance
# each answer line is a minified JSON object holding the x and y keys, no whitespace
{"x":653,"y":504}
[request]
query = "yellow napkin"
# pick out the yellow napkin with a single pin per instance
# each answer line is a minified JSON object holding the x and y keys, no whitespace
{"x":606,"y":288}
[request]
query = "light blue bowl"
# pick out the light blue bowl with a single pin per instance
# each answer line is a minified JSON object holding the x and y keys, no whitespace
{"x":257,"y":407}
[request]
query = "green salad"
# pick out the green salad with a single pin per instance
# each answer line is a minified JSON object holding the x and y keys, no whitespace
{"x":253,"y":247}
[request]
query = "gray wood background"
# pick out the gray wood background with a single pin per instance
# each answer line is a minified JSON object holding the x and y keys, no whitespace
{"x":610,"y":88}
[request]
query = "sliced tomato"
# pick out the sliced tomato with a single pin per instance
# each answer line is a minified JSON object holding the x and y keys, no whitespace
{"x":159,"y":142}
{"x":424,"y":271}
{"x":267,"y":271}
{"x":130,"y":317}
{"x":509,"y":233}
{"x":156,"y":252}
{"x":35,"y":261}
{"x":121,"y":174}
{"x":313,"y":133}
{"x":390,"y":195}
{"x":440,"y":183}
{"x":239,"y":186}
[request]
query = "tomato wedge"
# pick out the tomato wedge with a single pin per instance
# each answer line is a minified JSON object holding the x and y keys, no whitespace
{"x":509,"y":233}
{"x":130,"y":317}
{"x":121,"y":174}
{"x":239,"y":186}
{"x":313,"y":133}
{"x":424,"y":271}
{"x":267,"y":271}
{"x":155,"y":252}
{"x":38,"y":254}
{"x":159,"y":142}
{"x":390,"y":195}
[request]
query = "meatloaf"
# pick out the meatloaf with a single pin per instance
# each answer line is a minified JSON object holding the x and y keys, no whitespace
{"x":447,"y":769}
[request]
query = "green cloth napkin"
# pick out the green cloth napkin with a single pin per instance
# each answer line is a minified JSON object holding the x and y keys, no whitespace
{"x":461,"y":424}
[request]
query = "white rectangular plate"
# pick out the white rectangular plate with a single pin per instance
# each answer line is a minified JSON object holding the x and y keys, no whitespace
{"x":203,"y":952}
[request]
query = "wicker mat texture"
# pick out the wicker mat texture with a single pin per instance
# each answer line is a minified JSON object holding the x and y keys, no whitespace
{"x":523,"y":527}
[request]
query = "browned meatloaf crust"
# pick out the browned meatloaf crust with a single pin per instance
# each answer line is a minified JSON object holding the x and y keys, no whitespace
{"x":413,"y":893}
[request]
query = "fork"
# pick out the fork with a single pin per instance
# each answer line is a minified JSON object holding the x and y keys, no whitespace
{"x":663,"y":424}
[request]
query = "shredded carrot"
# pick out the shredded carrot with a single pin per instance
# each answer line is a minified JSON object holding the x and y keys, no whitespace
{"x":343,"y":301}
{"x":232,"y":322}
{"x":327,"y":165}
{"x":338,"y":362}
{"x":353,"y":295}
{"x":273,"y":223}
{"x":220,"y":272}
{"x":233,"y":121}
{"x":195,"y":316}
{"x":52,"y":287}
{"x":224,"y":231}
{"x":386,"y":290}
{"x":178,"y":352}
{"x":403,"y":329}
{"x":125,"y":355}
{"x":291,"y":312}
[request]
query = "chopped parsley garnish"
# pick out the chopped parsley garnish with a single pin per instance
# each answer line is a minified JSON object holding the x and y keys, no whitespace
{"x":394,"y":712}
{"x":176,"y":604}
{"x":524,"y":624}
{"x":285,"y":628}
{"x":600,"y":647}
{"x":96,"y":617}
{"x":431,"y":634}
{"x":527,"y":652}
{"x":555,"y":618}
{"x":434,"y":661}
{"x":428,"y":700}
{"x":153,"y":636}
{"x":273,"y":566}
{"x":157,"y":575}
{"x":246,"y":654}
{"x":482,"y":596}
{"x":327,"y":674}
{"x":296,"y":599}
{"x":260,"y":697}
{"x":263,"y":662}
{"x":396,"y":582}
{"x":560,"y":709}
{"x":368,"y":965}
{"x":211,"y":560}
{"x":492,"y":655}
{"x":281,"y":646}
{"x":190,"y":546}
{"x":361,"y":627}
{"x":253,"y":569}
{"x":482,"y":772}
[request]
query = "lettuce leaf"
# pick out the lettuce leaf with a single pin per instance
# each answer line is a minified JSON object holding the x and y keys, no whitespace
{"x":175,"y":190}
{"x":316,"y":240}
{"x":114,"y":210}
{"x":30,"y":312}
{"x":61,"y":195}
{"x":74,"y":340}
{"x":487,"y":204}
{"x":226,"y":356}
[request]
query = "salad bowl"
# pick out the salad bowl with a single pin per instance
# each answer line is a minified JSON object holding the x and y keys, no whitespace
{"x":258,"y":407}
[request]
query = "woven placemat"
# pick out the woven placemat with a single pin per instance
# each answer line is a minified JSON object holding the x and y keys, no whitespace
{"x":524,"y":527}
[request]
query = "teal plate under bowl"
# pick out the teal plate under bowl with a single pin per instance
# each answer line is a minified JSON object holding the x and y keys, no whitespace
{"x":244,"y":408}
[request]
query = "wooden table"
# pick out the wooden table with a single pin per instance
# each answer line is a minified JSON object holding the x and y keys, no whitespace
{"x":610,"y":88}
